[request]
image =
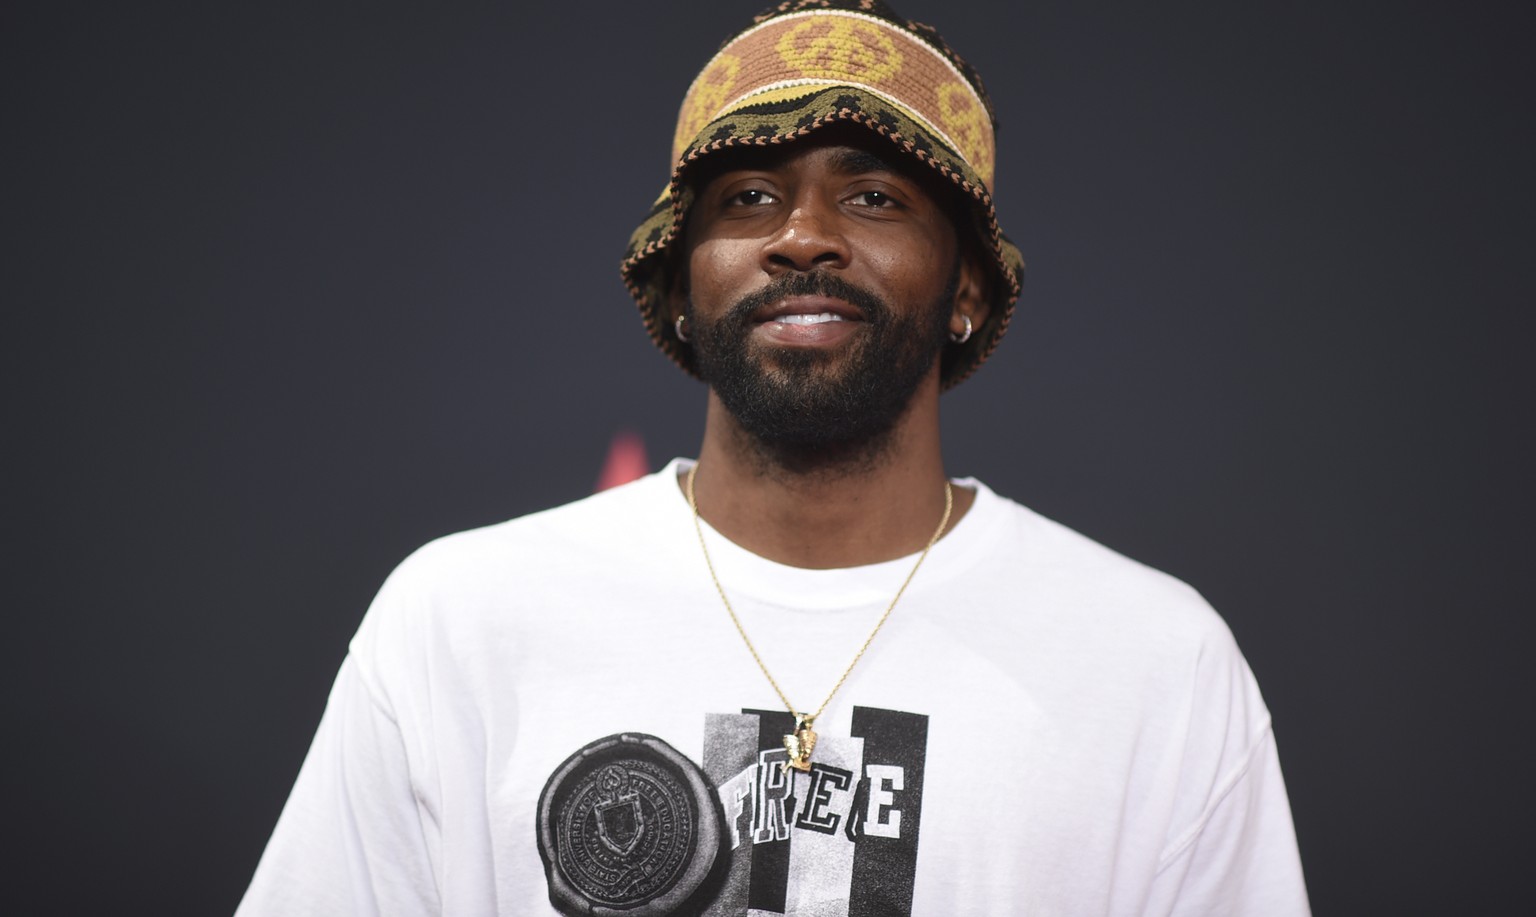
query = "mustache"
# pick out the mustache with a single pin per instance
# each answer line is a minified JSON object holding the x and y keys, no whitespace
{"x":815,"y":283}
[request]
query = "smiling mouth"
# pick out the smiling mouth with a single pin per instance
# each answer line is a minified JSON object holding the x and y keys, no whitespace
{"x":816,"y":318}
{"x":807,"y":310}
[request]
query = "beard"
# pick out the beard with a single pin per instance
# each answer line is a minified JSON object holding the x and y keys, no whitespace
{"x":805,"y":408}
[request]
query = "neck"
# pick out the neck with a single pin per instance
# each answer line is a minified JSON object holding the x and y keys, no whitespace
{"x":838,"y":507}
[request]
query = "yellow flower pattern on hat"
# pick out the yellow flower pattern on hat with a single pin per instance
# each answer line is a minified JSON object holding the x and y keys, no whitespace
{"x":709,"y":93}
{"x":961,"y":117}
{"x":811,"y":50}
{"x":836,"y":48}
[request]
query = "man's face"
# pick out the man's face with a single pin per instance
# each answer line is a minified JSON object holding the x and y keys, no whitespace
{"x":821,"y":283}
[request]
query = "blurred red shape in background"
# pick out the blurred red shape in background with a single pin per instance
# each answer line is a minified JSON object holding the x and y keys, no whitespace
{"x":626,"y":461}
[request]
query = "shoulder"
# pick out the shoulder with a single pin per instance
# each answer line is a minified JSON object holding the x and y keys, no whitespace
{"x":457,"y":589}
{"x":1030,"y":551}
{"x":1076,"y":612}
{"x":1105,"y":622}
{"x":584,"y":533}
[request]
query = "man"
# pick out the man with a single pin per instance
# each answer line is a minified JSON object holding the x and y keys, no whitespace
{"x":808,"y":673}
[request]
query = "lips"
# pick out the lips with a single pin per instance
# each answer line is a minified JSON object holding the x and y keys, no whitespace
{"x":808,"y":310}
{"x":807,"y":321}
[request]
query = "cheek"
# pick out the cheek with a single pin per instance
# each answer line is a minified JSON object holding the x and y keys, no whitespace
{"x":890,"y":264}
{"x":718,"y":270}
{"x":915,"y":268}
{"x":943,"y":247}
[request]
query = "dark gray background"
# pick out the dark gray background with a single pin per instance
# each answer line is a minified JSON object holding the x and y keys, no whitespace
{"x":292,"y":288}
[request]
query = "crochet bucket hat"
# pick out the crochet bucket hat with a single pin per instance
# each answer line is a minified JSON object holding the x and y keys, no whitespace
{"x":806,"y":64}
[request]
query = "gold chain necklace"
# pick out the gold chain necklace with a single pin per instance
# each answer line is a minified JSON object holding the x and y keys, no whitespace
{"x":802,"y":741}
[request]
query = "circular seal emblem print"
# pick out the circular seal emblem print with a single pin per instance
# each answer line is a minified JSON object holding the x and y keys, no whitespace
{"x":627,"y":824}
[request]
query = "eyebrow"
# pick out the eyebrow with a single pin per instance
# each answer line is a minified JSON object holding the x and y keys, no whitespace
{"x":856,"y":162}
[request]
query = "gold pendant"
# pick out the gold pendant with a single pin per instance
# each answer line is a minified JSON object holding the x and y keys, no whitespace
{"x":800,"y":744}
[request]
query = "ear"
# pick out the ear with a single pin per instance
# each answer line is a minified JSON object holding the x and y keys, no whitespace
{"x":973,"y":298}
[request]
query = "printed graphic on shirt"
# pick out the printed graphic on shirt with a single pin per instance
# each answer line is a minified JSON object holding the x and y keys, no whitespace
{"x":839,"y":840}
{"x":628,"y":823}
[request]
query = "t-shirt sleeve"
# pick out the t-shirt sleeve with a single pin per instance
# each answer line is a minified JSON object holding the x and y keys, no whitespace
{"x":350,"y":839}
{"x":1234,"y":853}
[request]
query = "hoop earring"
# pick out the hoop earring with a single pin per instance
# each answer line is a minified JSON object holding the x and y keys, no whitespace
{"x":965,"y":335}
{"x":682,"y":335}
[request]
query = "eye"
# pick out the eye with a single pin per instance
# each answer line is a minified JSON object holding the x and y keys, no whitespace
{"x":879,"y":200}
{"x":750,"y":197}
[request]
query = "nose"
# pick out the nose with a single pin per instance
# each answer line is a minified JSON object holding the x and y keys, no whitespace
{"x":810,"y":238}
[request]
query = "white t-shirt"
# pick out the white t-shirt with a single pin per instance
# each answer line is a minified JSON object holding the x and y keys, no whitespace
{"x":1042,"y":727}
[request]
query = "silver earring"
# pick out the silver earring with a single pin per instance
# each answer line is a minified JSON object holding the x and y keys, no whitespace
{"x":683,"y":335}
{"x":965,"y":335}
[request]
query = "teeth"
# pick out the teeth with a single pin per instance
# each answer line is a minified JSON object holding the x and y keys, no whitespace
{"x":809,"y":319}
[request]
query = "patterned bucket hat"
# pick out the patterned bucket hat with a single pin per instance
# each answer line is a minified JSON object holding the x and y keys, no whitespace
{"x":803,"y":65}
